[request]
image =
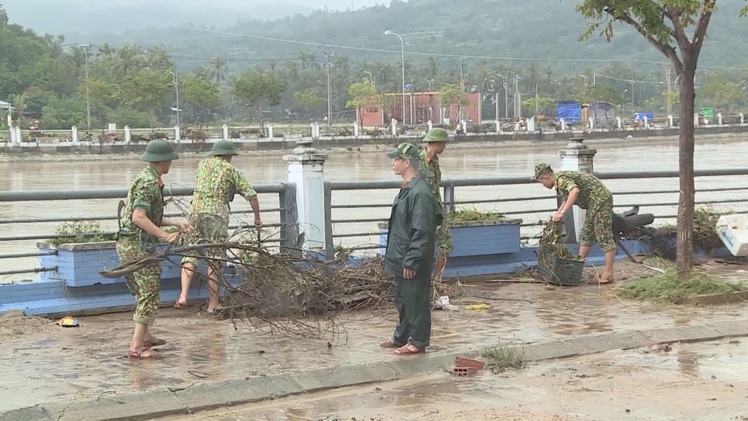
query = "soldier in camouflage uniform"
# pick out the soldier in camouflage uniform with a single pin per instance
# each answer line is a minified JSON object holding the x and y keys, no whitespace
{"x":436,"y":142}
{"x":140,"y":231}
{"x":216,"y":183}
{"x":587,"y":192}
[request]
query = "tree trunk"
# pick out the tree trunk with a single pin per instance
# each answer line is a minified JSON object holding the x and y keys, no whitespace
{"x":684,"y":255}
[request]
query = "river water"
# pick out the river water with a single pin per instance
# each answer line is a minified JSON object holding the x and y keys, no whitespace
{"x":350,"y":166}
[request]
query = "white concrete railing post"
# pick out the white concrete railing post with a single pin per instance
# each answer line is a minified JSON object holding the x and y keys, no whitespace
{"x":742,"y":118}
{"x":74,"y":135}
{"x":620,"y":123}
{"x":306,"y":170}
{"x":592,"y":123}
{"x":355,"y":129}
{"x":394,"y":127}
{"x":719,"y":118}
{"x":563,"y":125}
{"x":270,"y":132}
{"x":696,"y":119}
{"x":670,"y":121}
{"x":577,"y":157}
{"x":225,"y":132}
{"x":128,"y":136}
{"x":430,"y":125}
{"x":646,"y":122}
{"x":177,"y":134}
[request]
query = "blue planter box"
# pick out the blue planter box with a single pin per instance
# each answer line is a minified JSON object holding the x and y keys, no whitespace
{"x":477,"y":238}
{"x":79,"y":264}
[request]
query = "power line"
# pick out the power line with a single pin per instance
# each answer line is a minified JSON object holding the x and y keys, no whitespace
{"x":629,"y":80}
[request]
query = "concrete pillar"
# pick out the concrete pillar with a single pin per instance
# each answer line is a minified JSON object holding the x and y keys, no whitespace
{"x":670,"y":121}
{"x":19,"y":136}
{"x":463,"y":123}
{"x":719,"y":118}
{"x":742,"y":118}
{"x":355,"y":130}
{"x":306,"y":171}
{"x":177,"y":134}
{"x":563,"y":125}
{"x":317,"y":132}
{"x":620,"y":123}
{"x":696,"y":119}
{"x":270,"y":132}
{"x":592,"y":123}
{"x":394,"y":127}
{"x":12,"y":138}
{"x":74,"y":135}
{"x":577,"y":157}
{"x":225,"y":131}
{"x":498,"y":127}
{"x":646,"y":122}
{"x":128,"y":136}
{"x":430,"y":125}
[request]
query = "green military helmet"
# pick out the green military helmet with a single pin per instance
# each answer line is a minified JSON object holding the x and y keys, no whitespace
{"x":405,"y":150}
{"x":159,"y":151}
{"x":541,"y":169}
{"x":223,"y":147}
{"x":436,"y":134}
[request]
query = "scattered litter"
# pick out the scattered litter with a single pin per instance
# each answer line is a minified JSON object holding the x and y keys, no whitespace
{"x":477,"y":307}
{"x":68,"y":321}
{"x":661,"y":348}
{"x":467,"y":366}
{"x":443,"y":303}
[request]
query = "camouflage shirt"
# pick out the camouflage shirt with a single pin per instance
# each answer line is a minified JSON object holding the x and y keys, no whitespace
{"x":216,"y":183}
{"x":429,"y":168}
{"x":146,"y":193}
{"x":592,"y":192}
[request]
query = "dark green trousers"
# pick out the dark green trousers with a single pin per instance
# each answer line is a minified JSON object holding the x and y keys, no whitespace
{"x":414,"y":309}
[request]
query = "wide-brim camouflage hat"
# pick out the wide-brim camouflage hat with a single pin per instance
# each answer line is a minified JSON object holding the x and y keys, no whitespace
{"x":159,"y":151}
{"x":541,"y":169}
{"x":223,"y":147}
{"x":436,"y":134}
{"x":404,"y":150}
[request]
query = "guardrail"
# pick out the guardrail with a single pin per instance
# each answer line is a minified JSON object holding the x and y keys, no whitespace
{"x":18,"y":252}
{"x":655,"y":192}
{"x":354,"y":216}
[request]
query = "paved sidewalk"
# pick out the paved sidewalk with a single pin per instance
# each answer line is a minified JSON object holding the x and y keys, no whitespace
{"x":82,"y":374}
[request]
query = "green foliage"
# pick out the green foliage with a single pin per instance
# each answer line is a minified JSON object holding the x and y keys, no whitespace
{"x":256,"y":90}
{"x":201,"y":94}
{"x":474,"y":215}
{"x":363,"y":94}
{"x":504,"y":357}
{"x":309,"y":99}
{"x":127,"y":116}
{"x":451,"y":94}
{"x":80,"y":232}
{"x":148,"y":91}
{"x":541,"y":104}
{"x":63,"y":113}
{"x":670,"y":288}
{"x":721,"y":93}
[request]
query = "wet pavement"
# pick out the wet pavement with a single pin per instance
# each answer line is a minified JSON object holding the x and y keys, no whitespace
{"x":46,"y":363}
{"x":701,"y":381}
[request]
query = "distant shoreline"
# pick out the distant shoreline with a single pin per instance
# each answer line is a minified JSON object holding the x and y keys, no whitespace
{"x":461,"y":144}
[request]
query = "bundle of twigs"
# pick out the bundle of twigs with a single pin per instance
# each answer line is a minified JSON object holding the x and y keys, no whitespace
{"x":550,"y":241}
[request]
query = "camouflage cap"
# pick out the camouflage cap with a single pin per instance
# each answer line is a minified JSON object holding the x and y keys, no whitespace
{"x":404,"y":150}
{"x":541,"y":169}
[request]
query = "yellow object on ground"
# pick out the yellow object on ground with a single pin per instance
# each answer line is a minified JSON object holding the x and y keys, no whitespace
{"x":477,"y":307}
{"x":68,"y":321}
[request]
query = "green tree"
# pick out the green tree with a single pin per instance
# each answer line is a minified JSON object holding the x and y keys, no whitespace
{"x":363,"y":94}
{"x":102,"y":96}
{"x":721,"y":93}
{"x":666,"y":24}
{"x":63,"y":113}
{"x":217,"y":68}
{"x":451,"y":94}
{"x":148,"y":91}
{"x":308,"y":99}
{"x":202,"y":95}
{"x":257,"y":90}
{"x":538,"y":105}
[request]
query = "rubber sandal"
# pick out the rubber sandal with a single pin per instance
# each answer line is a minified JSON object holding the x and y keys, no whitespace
{"x":389,"y":344}
{"x":154,"y":342}
{"x":138,"y":355}
{"x":405,"y":350}
{"x":596,"y":281}
{"x":180,"y":306}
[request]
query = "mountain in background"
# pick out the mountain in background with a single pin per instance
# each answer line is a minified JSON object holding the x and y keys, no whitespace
{"x":82,"y":18}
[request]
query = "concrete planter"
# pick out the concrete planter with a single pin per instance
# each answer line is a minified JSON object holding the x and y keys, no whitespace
{"x":473,"y":238}
{"x":79,"y":264}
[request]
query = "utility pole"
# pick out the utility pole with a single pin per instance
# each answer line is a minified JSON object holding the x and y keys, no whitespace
{"x":175,"y":81}
{"x":517,"y":98}
{"x":462,"y":83}
{"x":431,"y":82}
{"x":88,"y":89}
{"x":328,"y":63}
{"x":669,"y":90}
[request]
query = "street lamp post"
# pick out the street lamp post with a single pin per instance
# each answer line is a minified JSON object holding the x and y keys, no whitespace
{"x":329,"y":95}
{"x":402,"y":51}
{"x":371,"y":77}
{"x":585,"y":79}
{"x":176,"y":91}
{"x":85,"y":47}
{"x":506,"y":95}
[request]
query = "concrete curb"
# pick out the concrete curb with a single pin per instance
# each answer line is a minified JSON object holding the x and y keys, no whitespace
{"x":205,"y":396}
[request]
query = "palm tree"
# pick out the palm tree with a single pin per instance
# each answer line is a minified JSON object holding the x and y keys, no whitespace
{"x":158,"y":59}
{"x":433,"y":69}
{"x":129,"y":58}
{"x":106,"y":50}
{"x":217,"y":66}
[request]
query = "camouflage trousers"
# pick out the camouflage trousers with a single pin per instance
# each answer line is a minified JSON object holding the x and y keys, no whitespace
{"x":598,"y":227}
{"x":143,"y":284}
{"x":207,"y":228}
{"x":444,"y":245}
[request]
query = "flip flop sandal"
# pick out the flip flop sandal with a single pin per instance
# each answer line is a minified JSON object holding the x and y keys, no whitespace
{"x":180,"y":306}
{"x":405,"y":350}
{"x":154,"y":342}
{"x":138,"y":355}
{"x":389,"y":344}
{"x":596,"y":281}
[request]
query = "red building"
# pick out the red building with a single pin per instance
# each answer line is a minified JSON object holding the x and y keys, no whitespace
{"x":420,"y":107}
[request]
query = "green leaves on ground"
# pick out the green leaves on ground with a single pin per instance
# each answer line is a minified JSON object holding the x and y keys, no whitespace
{"x":669,"y":288}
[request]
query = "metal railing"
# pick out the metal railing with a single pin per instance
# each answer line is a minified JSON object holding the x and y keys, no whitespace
{"x":277,"y":202}
{"x":518,"y":197}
